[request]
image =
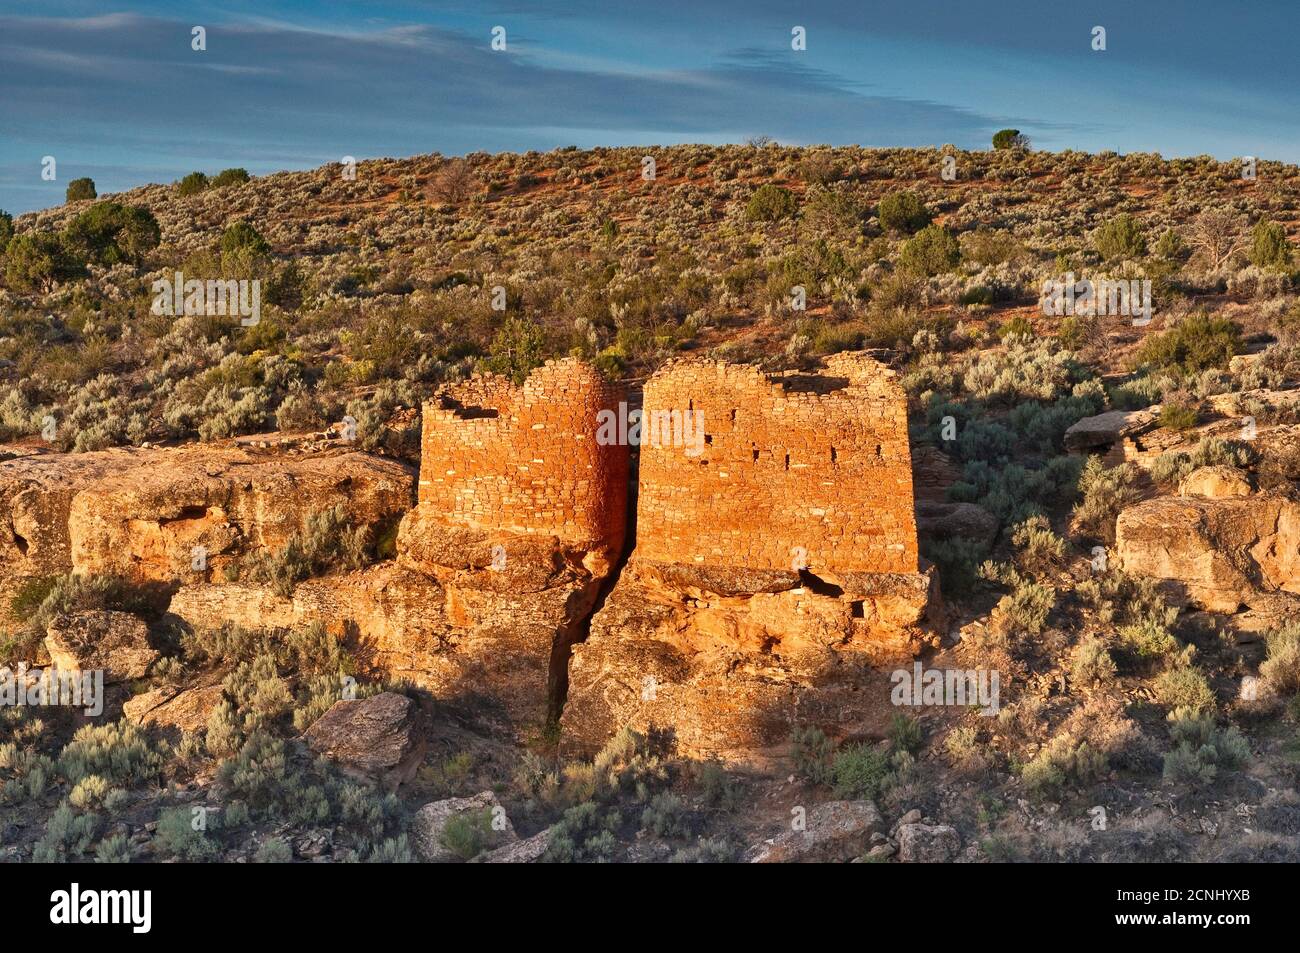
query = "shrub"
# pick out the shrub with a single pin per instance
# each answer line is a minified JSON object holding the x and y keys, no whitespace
{"x":903,"y":212}
{"x":468,"y":834}
{"x":242,"y":238}
{"x":35,"y":262}
{"x":860,"y":771}
{"x":1201,"y":749}
{"x":585,"y":833}
{"x":230,"y":177}
{"x":1062,"y":761}
{"x":454,"y":182}
{"x":932,"y":251}
{"x":665,"y":816}
{"x":905,"y":733}
{"x":67,"y":835}
{"x":81,"y":189}
{"x":1120,"y":238}
{"x":1106,"y":491}
{"x":1147,"y":638}
{"x":108,"y":233}
{"x":812,"y":755}
{"x":1010,"y":139}
{"x":1038,"y":548}
{"x":274,"y":850}
{"x":179,"y":834}
{"x":1090,"y":662}
{"x":1269,"y":247}
{"x":6,"y":229}
{"x":1178,"y":416}
{"x":326,"y":541}
{"x":192,"y":184}
{"x":1184,"y":687}
{"x":119,"y":752}
{"x":113,"y":850}
{"x":770,"y":203}
{"x":1025,"y":609}
{"x":1195,"y":344}
{"x":1281,"y":668}
{"x":518,"y":347}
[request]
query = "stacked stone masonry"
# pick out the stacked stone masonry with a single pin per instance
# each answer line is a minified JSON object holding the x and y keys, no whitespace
{"x":526,"y":460}
{"x":791,"y":469}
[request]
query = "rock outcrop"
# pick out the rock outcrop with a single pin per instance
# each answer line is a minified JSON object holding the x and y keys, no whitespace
{"x":1215,"y":553}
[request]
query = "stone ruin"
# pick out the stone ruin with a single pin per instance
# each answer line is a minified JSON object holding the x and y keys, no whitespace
{"x":774,"y":556}
{"x":771,"y":567}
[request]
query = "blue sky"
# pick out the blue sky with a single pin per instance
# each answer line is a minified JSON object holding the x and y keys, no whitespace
{"x":113,"y":90}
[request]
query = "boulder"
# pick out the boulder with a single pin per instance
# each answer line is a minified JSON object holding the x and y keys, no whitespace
{"x":1109,"y":428}
{"x":184,"y":709}
{"x":928,"y":844}
{"x":1216,"y":483}
{"x":1215,"y":554}
{"x":835,"y":831}
{"x":116,"y":642}
{"x":946,"y":520}
{"x":427,"y":826}
{"x":374,"y":737}
{"x":530,"y":850}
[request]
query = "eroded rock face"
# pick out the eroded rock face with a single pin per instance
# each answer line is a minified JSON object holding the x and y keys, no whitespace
{"x":731,"y":673}
{"x":1216,"y":554}
{"x":115,"y":642}
{"x":1216,"y":483}
{"x":375,"y":737}
{"x":145,"y":523}
{"x":141,"y":513}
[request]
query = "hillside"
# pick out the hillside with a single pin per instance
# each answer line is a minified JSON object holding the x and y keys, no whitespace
{"x":1099,"y":509}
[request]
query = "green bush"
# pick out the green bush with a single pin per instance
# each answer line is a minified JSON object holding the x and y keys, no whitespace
{"x":108,"y":233}
{"x":6,"y":229}
{"x":1106,"y":491}
{"x":770,"y":203}
{"x":35,"y":261}
{"x":517,"y":349}
{"x":1010,"y":139}
{"x":1269,"y":247}
{"x":1197,"y":343}
{"x":192,"y":184}
{"x":1120,"y":238}
{"x":860,"y":771}
{"x":903,"y":212}
{"x":242,"y":239}
{"x":1177,"y":416}
{"x":230,"y":177}
{"x":468,"y":834}
{"x":665,"y":816}
{"x":932,"y":251}
{"x":81,"y":189}
{"x":812,"y":752}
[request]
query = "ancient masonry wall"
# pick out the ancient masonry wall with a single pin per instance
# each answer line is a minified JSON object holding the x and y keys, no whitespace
{"x":812,"y":469}
{"x":498,"y":457}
